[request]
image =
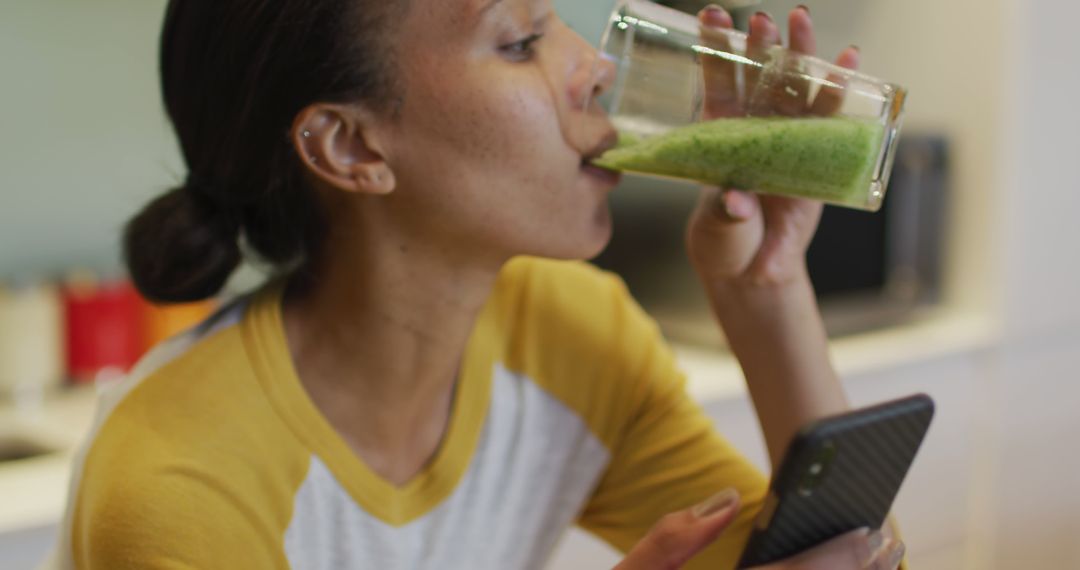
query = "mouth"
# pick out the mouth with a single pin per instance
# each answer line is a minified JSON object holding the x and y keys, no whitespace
{"x":605,"y":175}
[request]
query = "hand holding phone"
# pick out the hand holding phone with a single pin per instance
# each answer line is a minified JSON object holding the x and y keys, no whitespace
{"x":679,"y":536}
{"x":840,"y":474}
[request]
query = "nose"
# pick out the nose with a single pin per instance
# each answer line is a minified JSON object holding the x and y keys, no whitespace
{"x":604,"y":71}
{"x":595,"y":76}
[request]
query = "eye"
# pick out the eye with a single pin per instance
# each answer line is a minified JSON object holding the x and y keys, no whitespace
{"x":522,"y":50}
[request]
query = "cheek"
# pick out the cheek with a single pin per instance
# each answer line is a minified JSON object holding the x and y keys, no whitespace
{"x":488,"y":156}
{"x":496,"y":127}
{"x":516,"y":120}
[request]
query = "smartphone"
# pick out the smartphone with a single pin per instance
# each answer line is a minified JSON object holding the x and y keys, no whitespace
{"x":839,"y":474}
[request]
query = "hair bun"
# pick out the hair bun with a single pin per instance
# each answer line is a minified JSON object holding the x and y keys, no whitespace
{"x":182,"y":247}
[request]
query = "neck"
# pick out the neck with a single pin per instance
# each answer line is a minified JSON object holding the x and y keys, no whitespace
{"x":377,"y":338}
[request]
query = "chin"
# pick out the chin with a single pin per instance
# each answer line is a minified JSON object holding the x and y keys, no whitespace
{"x":599,"y":245}
{"x":594,"y":238}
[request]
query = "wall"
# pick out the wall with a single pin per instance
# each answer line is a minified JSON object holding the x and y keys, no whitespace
{"x":586,"y":18}
{"x":1035,"y":507}
{"x":85,"y":141}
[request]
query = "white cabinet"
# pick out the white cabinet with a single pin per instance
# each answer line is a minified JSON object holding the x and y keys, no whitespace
{"x":26,"y":549}
{"x":1035,"y":500}
{"x":934,"y":505}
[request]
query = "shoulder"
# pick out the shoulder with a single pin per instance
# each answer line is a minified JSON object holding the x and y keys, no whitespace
{"x":561,"y":294}
{"x":575,"y":314}
{"x":193,"y":388}
{"x":187,"y":456}
{"x":156,"y":512}
{"x":579,"y":334}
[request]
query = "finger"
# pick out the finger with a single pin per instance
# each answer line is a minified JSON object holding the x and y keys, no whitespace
{"x":831,"y":97}
{"x":730,"y":226}
{"x":739,"y":205}
{"x":792,"y":98}
{"x":763,"y":35}
{"x":721,"y":89}
{"x":888,"y":557}
{"x":681,"y":535}
{"x":855,"y":550}
{"x":801,"y":36}
{"x":730,"y":205}
{"x":793,"y":222}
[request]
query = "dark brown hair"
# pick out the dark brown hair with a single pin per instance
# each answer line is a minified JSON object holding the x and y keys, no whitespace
{"x":234,"y":75}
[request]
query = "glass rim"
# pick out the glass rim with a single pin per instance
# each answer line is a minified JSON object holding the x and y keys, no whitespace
{"x":679,"y":20}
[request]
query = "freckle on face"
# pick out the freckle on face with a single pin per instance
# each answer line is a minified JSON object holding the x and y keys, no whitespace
{"x":488,"y":158}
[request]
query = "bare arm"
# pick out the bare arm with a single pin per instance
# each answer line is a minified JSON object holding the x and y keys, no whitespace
{"x":777,"y":335}
{"x":750,"y":252}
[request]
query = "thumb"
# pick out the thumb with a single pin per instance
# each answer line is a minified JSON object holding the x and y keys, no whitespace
{"x":726,"y":232}
{"x":680,"y":535}
{"x":730,"y":205}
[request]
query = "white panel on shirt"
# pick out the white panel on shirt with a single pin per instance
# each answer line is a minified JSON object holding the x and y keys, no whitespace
{"x":535,"y":466}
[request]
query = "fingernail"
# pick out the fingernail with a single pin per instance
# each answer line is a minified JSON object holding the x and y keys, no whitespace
{"x":764,"y":15}
{"x":724,"y":206}
{"x":804,"y":8}
{"x":716,"y":504}
{"x":897,"y":556}
{"x":720,"y":206}
{"x":868,"y":551}
{"x":712,"y":10}
{"x":715,"y":15}
{"x":874,"y":541}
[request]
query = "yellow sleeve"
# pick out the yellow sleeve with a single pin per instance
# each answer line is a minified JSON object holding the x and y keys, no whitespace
{"x":667,"y":455}
{"x":190,"y":470}
{"x":585,"y":340}
{"x":177,"y":522}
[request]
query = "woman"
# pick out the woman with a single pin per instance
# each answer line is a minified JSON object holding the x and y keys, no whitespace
{"x":426,"y":384}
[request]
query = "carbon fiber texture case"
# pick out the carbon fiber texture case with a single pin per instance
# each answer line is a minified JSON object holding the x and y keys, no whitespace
{"x":840,"y":474}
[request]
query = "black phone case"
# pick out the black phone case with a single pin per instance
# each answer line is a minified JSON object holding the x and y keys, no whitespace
{"x":871,"y":450}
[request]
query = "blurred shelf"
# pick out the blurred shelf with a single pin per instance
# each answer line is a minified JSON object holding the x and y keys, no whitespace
{"x":33,"y":490}
{"x":714,"y":374}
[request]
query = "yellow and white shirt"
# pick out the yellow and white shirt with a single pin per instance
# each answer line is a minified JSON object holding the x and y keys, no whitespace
{"x":569,"y":410}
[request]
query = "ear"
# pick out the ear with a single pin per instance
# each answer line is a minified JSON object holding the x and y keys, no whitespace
{"x":339,"y":145}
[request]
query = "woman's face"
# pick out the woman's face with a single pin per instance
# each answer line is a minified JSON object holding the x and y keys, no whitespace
{"x":490,"y":143}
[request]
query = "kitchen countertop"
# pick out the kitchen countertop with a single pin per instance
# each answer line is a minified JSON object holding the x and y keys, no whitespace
{"x":33,"y":491}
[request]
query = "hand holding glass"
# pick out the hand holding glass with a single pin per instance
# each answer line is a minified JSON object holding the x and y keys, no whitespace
{"x":695,"y":103}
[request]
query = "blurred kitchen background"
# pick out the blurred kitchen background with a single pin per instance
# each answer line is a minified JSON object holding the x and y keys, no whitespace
{"x":962,"y":287}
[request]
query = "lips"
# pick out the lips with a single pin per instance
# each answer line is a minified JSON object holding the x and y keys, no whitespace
{"x":604,"y":175}
{"x":606,"y":143}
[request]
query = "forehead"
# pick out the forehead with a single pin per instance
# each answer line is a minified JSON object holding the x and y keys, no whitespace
{"x":464,"y":12}
{"x":442,"y":25}
{"x":468,"y":9}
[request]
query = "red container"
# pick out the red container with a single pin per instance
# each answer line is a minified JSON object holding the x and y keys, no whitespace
{"x":104,"y":324}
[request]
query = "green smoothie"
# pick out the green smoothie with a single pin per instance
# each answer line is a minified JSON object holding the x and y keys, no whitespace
{"x":828,"y":159}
